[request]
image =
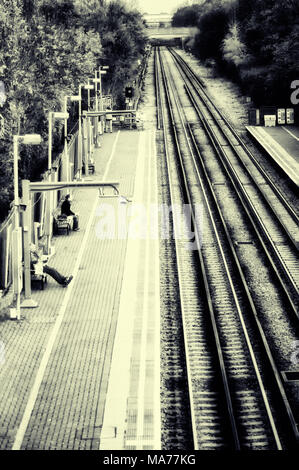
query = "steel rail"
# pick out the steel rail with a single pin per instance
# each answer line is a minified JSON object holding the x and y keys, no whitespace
{"x":250,"y":209}
{"x":158,"y":93}
{"x":225,"y":382}
{"x":170,"y":185}
{"x":279,"y":194}
{"x":239,"y":269}
{"x":267,"y":349}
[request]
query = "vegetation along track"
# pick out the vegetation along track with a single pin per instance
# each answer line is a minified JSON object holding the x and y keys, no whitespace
{"x":226,"y":349}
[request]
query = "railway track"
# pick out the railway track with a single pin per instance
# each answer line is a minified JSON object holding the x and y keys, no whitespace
{"x":232,"y":391}
{"x":270,"y":211}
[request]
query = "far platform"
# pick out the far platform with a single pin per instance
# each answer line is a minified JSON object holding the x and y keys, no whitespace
{"x":282,"y":144}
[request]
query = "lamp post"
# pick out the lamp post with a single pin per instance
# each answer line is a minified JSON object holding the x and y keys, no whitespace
{"x":27,"y":139}
{"x":66,"y":154}
{"x":85,"y":87}
{"x":97,"y":80}
{"x":102,"y":71}
{"x":51,"y":117}
{"x":49,"y":207}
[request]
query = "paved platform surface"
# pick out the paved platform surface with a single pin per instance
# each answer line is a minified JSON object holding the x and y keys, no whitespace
{"x":282,"y":144}
{"x":132,"y":413}
{"x":55,"y":373}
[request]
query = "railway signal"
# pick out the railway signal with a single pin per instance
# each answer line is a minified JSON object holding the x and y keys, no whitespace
{"x":129,"y":92}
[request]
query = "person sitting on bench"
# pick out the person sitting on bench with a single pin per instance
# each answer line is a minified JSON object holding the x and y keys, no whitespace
{"x":66,"y":210}
{"x":37,"y":258}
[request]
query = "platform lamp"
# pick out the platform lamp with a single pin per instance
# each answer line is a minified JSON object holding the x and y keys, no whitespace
{"x":72,"y":98}
{"x":27,"y":139}
{"x":99,"y":80}
{"x":51,"y":117}
{"x":85,"y":86}
{"x":102,"y":71}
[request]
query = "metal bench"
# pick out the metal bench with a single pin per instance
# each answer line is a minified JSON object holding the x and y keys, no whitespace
{"x":91,"y":167}
{"x":37,"y":274}
{"x":62,"y":222}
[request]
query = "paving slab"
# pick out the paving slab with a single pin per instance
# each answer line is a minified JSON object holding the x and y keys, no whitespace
{"x":57,"y":357}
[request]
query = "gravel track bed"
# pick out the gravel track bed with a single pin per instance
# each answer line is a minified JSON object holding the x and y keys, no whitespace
{"x":206,"y":389}
{"x":232,"y":103}
{"x":239,"y":155}
{"x":276,"y":232}
{"x":236,"y":355}
{"x":209,"y":424}
{"x":254,"y":262}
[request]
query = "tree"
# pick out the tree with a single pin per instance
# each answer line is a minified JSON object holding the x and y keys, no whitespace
{"x":49,"y":47}
{"x":188,"y":15}
{"x":213,"y":27}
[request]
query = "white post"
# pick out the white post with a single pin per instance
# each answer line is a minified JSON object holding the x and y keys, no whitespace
{"x":66,"y":154}
{"x":88,"y":96}
{"x":50,"y":141}
{"x":15,"y":239}
{"x":28,"y":302}
{"x":80,"y":135}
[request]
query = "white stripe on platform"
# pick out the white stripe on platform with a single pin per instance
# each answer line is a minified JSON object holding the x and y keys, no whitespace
{"x":115,"y":413}
{"x":157,"y":313}
{"x":143,"y":308}
{"x":144,"y":315}
{"x":54,"y":333}
{"x":291,"y":133}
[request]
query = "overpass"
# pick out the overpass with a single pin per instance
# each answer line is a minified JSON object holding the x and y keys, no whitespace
{"x":170,"y":33}
{"x":156,"y":20}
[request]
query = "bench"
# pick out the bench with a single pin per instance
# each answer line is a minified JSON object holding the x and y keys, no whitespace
{"x":37,"y":274}
{"x":62,"y":222}
{"x":91,"y":167}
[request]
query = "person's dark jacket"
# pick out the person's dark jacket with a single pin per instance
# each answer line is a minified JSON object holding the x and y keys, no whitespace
{"x":66,"y":208}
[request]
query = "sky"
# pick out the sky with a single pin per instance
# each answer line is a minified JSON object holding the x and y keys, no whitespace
{"x":159,"y":6}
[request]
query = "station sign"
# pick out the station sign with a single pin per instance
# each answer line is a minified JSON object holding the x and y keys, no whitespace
{"x":290,"y":116}
{"x":281,"y":116}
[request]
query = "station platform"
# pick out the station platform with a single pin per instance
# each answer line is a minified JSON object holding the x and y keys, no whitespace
{"x":282,"y":144}
{"x":82,"y":370}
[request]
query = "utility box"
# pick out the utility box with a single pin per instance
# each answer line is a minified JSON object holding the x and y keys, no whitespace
{"x":290,"y":116}
{"x":270,"y":120}
{"x":281,"y":116}
{"x":267,"y":111}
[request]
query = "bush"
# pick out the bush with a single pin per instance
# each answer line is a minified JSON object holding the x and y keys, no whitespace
{"x":213,"y":27}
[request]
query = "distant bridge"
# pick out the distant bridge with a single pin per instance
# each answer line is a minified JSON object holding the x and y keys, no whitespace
{"x":155,"y":20}
{"x":168,"y":33}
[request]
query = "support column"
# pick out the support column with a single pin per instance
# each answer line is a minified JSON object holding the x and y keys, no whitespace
{"x":28,"y":302}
